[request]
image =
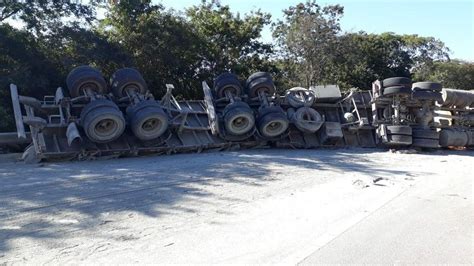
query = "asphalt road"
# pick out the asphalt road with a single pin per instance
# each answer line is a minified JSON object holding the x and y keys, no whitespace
{"x":429,"y":223}
{"x":247,"y":207}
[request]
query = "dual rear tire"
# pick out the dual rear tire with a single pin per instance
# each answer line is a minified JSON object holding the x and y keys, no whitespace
{"x":102,"y":121}
{"x":84,"y":78}
{"x":227,"y":83}
{"x":238,"y":118}
{"x":272,"y":122}
{"x":127,"y":80}
{"x":147,"y":120}
{"x":400,"y":86}
{"x":260,"y":82}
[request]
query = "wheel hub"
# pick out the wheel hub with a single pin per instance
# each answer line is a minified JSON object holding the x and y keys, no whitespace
{"x":151,"y":124}
{"x":240,"y":122}
{"x":105,"y":127}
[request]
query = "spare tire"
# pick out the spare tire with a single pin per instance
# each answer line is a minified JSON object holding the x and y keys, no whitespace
{"x":238,"y":118}
{"x":396,"y":90}
{"x":102,"y":121}
{"x":227,"y":82}
{"x":257,"y":75}
{"x":260,"y":82}
{"x":427,"y":86}
{"x":396,"y":81}
{"x":147,"y":120}
{"x":85,"y":77}
{"x":273,"y":124}
{"x":298,"y":97}
{"x":307,"y":120}
{"x":126,"y":79}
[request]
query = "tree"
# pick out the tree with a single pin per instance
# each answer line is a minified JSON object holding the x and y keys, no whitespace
{"x":39,"y":16}
{"x":162,"y":45}
{"x":363,"y":58}
{"x":230,"y":42}
{"x":75,"y":45}
{"x":26,"y":57}
{"x":454,"y":74}
{"x":22,"y":62}
{"x":307,"y":38}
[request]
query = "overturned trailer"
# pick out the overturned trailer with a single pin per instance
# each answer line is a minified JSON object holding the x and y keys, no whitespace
{"x":93,"y":118}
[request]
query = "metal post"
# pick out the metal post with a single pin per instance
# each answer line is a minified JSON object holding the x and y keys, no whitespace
{"x":20,"y":128}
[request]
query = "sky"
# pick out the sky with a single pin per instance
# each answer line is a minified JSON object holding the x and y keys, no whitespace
{"x":450,"y":21}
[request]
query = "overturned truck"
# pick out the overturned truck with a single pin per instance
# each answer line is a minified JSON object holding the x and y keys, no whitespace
{"x":94,"y":118}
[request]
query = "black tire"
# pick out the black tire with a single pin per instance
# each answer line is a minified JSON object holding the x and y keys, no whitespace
{"x":257,"y":75}
{"x":307,"y":119}
{"x":103,"y":123}
{"x":238,"y":119}
{"x":396,"y":81}
{"x":399,"y":130}
{"x":267,"y":110}
{"x":399,"y":140}
{"x":96,"y":104}
{"x":298,"y":97}
{"x":425,"y":134}
{"x":427,"y":95}
{"x":427,"y":86}
{"x":260,"y":83}
{"x":273,"y":125}
{"x":147,"y":120}
{"x":127,"y":79}
{"x":396,"y":90}
{"x":227,"y":82}
{"x":425,"y":143}
{"x":83,"y":77}
{"x":225,"y":75}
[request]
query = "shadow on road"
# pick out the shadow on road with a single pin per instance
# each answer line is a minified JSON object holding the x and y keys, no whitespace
{"x":153,"y":186}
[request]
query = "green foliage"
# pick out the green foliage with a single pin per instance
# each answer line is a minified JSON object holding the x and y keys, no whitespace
{"x":314,"y":50}
{"x":40,"y":16}
{"x":228,"y":41}
{"x":79,"y":46}
{"x":308,"y":40}
{"x":187,"y":48}
{"x":22,"y":62}
{"x":161,"y":44}
{"x":453,"y":74}
{"x":363,"y":58}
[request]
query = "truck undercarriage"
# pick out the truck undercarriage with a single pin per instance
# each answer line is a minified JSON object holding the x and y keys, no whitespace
{"x":95,"y":119}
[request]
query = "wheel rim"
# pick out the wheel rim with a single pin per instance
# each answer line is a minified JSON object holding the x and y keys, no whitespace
{"x":105,"y":127}
{"x":274,"y":128}
{"x":150,"y":125}
{"x":240,"y":122}
{"x":263,"y":90}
